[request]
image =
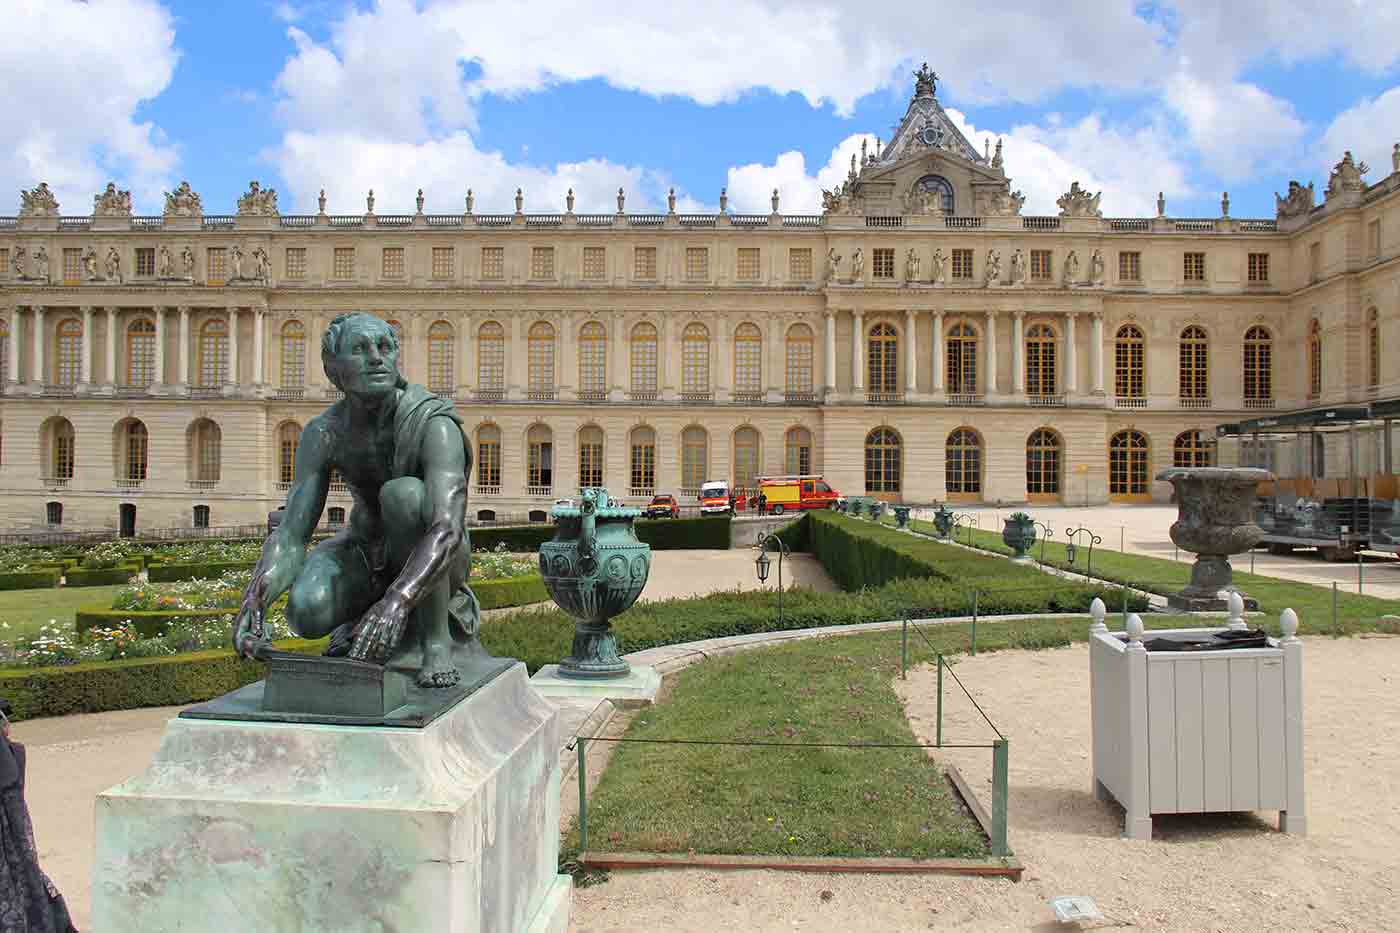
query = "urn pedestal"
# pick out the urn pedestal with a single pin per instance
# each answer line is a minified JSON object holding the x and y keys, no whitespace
{"x":1215,"y":519}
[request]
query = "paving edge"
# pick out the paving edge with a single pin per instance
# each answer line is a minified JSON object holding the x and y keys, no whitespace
{"x":614,"y":861}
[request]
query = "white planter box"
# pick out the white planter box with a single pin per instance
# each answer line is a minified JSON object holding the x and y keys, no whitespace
{"x":1197,"y":731}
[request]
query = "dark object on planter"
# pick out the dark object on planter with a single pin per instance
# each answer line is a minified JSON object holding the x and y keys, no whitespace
{"x":901,"y":515}
{"x":943,"y":521}
{"x":1018,"y":534}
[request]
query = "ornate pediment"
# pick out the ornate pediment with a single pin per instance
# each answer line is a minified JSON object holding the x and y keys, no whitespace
{"x":926,"y":127}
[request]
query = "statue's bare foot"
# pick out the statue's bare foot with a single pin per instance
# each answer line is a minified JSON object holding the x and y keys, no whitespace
{"x":438,"y":669}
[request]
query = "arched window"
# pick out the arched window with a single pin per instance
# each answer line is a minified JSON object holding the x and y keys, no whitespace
{"x":882,"y":359}
{"x":963,"y":463}
{"x":746,"y":459}
{"x":800,"y":350}
{"x":213,"y":353}
{"x":141,"y":353}
{"x":1129,"y":363}
{"x":1373,"y":348}
{"x":883,"y":461}
{"x":642,"y":468}
{"x":1192,"y":450}
{"x":335,"y":515}
{"x":206,"y":453}
{"x":592,"y":362}
{"x":541,"y":360}
{"x":201,"y":516}
{"x":442,"y":358}
{"x":1314,"y":359}
{"x":937,"y":185}
{"x":1258,"y":365}
{"x":488,"y":459}
{"x":133,"y":449}
{"x":60,"y":448}
{"x":1043,"y":464}
{"x":68,"y":359}
{"x":961,"y":362}
{"x":288,"y":437}
{"x":4,"y":351}
{"x":293,"y":355}
{"x":1127,"y":466}
{"x":491,"y":360}
{"x":1194,"y":369}
{"x":748,"y":361}
{"x":539,"y":463}
{"x":695,"y":455}
{"x":797,"y":452}
{"x":1040,"y":360}
{"x":695,"y":362}
{"x":644,"y":380}
{"x":590,"y":457}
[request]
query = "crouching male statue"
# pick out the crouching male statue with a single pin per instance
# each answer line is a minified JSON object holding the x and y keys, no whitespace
{"x":391,"y":588}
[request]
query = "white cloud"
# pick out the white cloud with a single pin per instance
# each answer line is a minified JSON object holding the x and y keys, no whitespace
{"x":751,"y":186}
{"x":74,"y":74}
{"x":1370,"y":130}
{"x":1220,"y":37}
{"x":1236,"y":127}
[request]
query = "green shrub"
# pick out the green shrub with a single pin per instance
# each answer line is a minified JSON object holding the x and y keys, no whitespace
{"x":510,"y":591}
{"x":30,"y":579}
{"x":663,"y":534}
{"x":173,"y":573}
{"x":149,"y":623}
{"x":104,"y":577}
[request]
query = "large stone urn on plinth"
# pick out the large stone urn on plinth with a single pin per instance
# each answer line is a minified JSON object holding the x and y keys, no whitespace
{"x":1215,"y":518}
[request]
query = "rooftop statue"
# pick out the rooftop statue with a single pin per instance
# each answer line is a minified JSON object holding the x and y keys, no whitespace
{"x":111,"y":202}
{"x":1005,"y":203}
{"x":1346,"y":176}
{"x":183,"y":202}
{"x":1298,"y":202}
{"x":391,"y":589}
{"x":38,"y":202}
{"x":258,"y":202}
{"x":1076,"y":202}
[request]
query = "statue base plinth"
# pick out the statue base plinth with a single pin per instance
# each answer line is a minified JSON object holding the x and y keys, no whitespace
{"x":1213,"y":602}
{"x":637,"y":687}
{"x":245,"y":825}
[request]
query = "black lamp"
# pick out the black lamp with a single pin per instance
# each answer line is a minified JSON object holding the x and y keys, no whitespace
{"x":761,"y":565}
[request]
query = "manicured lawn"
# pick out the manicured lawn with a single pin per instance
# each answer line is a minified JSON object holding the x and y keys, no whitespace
{"x":26,"y":610}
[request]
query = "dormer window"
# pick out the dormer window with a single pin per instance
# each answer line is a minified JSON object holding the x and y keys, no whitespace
{"x":937,"y":185}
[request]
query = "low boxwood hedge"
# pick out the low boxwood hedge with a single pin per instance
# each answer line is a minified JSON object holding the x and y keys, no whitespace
{"x":510,"y":591}
{"x":663,"y":534}
{"x":172,"y":573}
{"x":150,"y":623}
{"x":30,"y":579}
{"x":107,"y":577}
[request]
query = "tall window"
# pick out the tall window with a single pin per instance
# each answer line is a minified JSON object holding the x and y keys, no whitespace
{"x":491,"y":359}
{"x":1373,"y":348}
{"x":961,"y":360}
{"x":541,"y":262}
{"x":590,"y":457}
{"x":201,"y":516}
{"x":962,"y":263}
{"x":697,"y":263}
{"x":592,"y":362}
{"x":883,"y":455}
{"x":1192,"y":450}
{"x":746,"y":454}
{"x":62,"y":449}
{"x":293,"y":355}
{"x":493,"y":263}
{"x":1193,"y":267}
{"x":1127,"y":465}
{"x":800,"y":351}
{"x":141,"y":352}
{"x":1041,"y":265}
{"x":747,"y":266}
{"x":213,"y":353}
{"x":134,"y":448}
{"x":642,"y":466}
{"x":145,"y":261}
{"x":748,"y":360}
{"x":882,"y":263}
{"x":938,"y":186}
{"x":539,"y":443}
{"x":72,"y":267}
{"x":343,"y":262}
{"x":288,"y":437}
{"x":442,"y":357}
{"x":1258,"y":364}
{"x":800,"y":264}
{"x":1128,"y":362}
{"x":391,"y":262}
{"x":963,"y":463}
{"x":1258,"y":267}
{"x":215,"y":265}
{"x":1130,"y":267}
{"x":695,"y":360}
{"x":206,"y":453}
{"x":53,"y":513}
{"x":1314,"y":359}
{"x":541,"y":360}
{"x":1040,"y":360}
{"x":643,"y":353}
{"x":595,"y":263}
{"x":444,"y":262}
{"x":488,"y":457}
{"x":695,"y":450}
{"x":69,"y":358}
{"x":1194,"y":370}
{"x":644,"y":263}
{"x":296,"y":262}
{"x":4,"y":349}
{"x":882,"y":360}
{"x":1043,"y":463}
{"x":797,"y":452}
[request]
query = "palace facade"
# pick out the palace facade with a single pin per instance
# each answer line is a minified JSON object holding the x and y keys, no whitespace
{"x":919,"y":340}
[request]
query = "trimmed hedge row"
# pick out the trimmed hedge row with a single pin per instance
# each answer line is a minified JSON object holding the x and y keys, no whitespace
{"x":510,"y":591}
{"x":29,"y":579}
{"x":107,"y":577}
{"x":663,"y":534}
{"x":173,"y":573}
{"x":150,"y":623}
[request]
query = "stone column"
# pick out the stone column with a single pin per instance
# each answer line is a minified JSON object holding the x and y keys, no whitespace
{"x":258,"y":349}
{"x":514,"y":385}
{"x":233,"y":347}
{"x":937,"y":352}
{"x":12,"y":375}
{"x":1071,"y":357}
{"x":566,"y":374}
{"x":829,"y":358}
{"x":1018,"y":353}
{"x":85,"y":372}
{"x":724,"y":371}
{"x":184,"y":347}
{"x":464,"y":377}
{"x":911,"y":375}
{"x":991,"y":388}
{"x":620,"y":369}
{"x":159,"y":376}
{"x":857,"y":353}
{"x":111,"y":358}
{"x":1096,"y":353}
{"x":38,"y":364}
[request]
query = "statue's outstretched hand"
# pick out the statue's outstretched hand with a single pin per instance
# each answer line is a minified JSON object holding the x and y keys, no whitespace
{"x":249,"y":628}
{"x":379,"y":631}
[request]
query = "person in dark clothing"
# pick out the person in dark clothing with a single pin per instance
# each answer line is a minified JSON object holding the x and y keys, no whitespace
{"x":29,"y":902}
{"x":762,"y":503}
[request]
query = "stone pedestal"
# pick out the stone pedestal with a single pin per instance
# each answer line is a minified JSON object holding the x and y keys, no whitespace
{"x":268,"y":826}
{"x":637,"y":687}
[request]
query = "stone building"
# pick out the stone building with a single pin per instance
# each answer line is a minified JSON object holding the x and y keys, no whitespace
{"x":918,"y":340}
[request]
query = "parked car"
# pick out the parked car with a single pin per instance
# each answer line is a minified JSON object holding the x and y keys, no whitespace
{"x":789,"y":493}
{"x":662,"y":506}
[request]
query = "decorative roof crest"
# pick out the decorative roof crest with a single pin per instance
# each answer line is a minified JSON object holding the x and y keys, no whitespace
{"x":112,"y":202}
{"x":38,"y":202}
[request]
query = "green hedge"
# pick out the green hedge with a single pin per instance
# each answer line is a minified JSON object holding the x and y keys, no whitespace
{"x":149,"y":622}
{"x":510,"y":591}
{"x":171,"y":573}
{"x":663,"y":534}
{"x":30,"y":579}
{"x":108,"y":577}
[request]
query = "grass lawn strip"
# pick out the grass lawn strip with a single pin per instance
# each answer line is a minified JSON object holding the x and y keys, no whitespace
{"x":26,"y":610}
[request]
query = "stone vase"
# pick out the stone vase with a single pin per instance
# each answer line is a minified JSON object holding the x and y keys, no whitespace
{"x":1018,"y":533}
{"x":1215,"y":519}
{"x":594,"y":568}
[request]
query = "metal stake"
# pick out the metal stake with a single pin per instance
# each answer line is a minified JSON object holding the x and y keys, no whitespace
{"x":582,"y":796}
{"x":974,"y":622}
{"x":1334,"y":607}
{"x":999,"y":798}
{"x":904,"y":649}
{"x":938,"y":718}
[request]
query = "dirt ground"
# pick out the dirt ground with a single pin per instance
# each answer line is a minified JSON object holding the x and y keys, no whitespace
{"x":1227,"y":873}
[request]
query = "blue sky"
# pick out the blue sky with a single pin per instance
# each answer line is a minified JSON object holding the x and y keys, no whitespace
{"x":1189,"y":97}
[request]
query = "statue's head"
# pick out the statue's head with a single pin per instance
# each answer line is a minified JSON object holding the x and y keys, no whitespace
{"x":360,"y":354}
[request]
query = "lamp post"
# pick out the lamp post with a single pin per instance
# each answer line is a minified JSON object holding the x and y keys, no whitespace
{"x":762,"y":563}
{"x":1045,"y":533}
{"x":1072,"y":546}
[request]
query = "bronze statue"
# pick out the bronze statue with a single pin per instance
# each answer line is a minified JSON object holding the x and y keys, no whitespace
{"x":390,"y":589}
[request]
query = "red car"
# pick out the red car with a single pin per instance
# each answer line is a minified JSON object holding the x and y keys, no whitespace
{"x":663,"y":506}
